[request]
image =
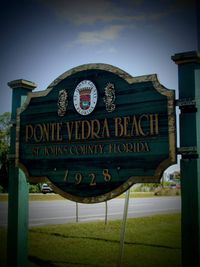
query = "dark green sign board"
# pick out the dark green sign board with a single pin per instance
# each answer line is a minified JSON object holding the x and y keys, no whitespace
{"x":96,"y":131}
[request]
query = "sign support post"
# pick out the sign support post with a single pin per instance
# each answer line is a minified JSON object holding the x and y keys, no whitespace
{"x":17,"y":249}
{"x":189,"y":103}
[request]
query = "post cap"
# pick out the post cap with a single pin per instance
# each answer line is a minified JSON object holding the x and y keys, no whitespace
{"x":187,"y":57}
{"x":22,"y":84}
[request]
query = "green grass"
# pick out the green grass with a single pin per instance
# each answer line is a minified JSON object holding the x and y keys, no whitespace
{"x":150,"y":242}
{"x":35,"y":197}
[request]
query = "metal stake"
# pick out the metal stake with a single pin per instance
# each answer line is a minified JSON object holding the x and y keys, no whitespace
{"x":123,"y":229}
{"x":106,"y":212}
{"x":76,"y":211}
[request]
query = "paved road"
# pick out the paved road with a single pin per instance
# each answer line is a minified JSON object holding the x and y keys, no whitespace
{"x":64,"y":211}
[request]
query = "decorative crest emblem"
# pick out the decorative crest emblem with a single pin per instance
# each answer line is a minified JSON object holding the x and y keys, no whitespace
{"x":85,"y":97}
{"x":62,"y":102}
{"x":109,"y":98}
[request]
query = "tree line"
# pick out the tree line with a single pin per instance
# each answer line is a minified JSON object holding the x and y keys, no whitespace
{"x":5,"y":126}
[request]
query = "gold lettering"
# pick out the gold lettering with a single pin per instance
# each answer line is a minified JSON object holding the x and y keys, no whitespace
{"x":119,"y":130}
{"x":77,"y":127}
{"x":66,"y":175}
{"x":121,"y":148}
{"x":65,"y":150}
{"x":53,"y":125}
{"x":85,"y":130}
{"x":106,"y":175}
{"x":105,"y":130}
{"x":46,"y":151}
{"x":29,"y":132}
{"x":111,"y":148}
{"x":93,"y":179}
{"x":126,"y":122}
{"x":59,"y":135}
{"x":140,"y":147}
{"x":128,"y":126}
{"x":59,"y":151}
{"x":70,"y":126}
{"x":71,"y":150}
{"x":35,"y":151}
{"x":134,"y":129}
{"x":101,"y":147}
{"x":90,"y":149}
{"x":147,"y":149}
{"x":95,"y":129}
{"x":141,"y":130}
{"x":154,"y":124}
{"x":129,"y":148}
{"x":46,"y":132}
{"x":38,"y":133}
{"x":78,"y":178}
{"x":80,"y":150}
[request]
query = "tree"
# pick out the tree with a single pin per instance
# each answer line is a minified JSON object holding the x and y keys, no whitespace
{"x":4,"y":132}
{"x":4,"y":147}
{"x":177,"y":175}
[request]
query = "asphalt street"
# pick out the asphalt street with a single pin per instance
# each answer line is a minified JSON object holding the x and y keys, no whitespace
{"x":65,"y":211}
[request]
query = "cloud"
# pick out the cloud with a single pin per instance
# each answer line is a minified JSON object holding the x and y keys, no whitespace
{"x":117,"y":15}
{"x":90,"y":11}
{"x":100,"y":36}
{"x":107,"y":50}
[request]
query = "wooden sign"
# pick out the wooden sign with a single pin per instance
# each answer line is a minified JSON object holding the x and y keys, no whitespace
{"x":96,"y":131}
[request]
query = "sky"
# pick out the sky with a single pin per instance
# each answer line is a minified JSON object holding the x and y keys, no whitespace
{"x":41,"y":39}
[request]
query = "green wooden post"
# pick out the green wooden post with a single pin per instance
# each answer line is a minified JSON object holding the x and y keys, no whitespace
{"x":189,"y":103}
{"x":18,"y":188}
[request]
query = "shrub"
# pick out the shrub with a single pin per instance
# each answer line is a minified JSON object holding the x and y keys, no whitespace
{"x":34,"y":188}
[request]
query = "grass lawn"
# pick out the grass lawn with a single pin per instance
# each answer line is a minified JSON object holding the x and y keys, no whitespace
{"x":33,"y":197}
{"x":150,"y":242}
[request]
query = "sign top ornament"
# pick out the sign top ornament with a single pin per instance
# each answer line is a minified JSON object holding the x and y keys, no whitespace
{"x":96,"y":131}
